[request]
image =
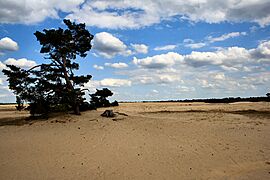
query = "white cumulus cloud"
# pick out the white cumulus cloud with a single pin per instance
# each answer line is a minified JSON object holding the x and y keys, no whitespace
{"x":111,"y":82}
{"x":109,"y":46}
{"x":158,"y":61}
{"x":262,"y":52}
{"x":233,"y":58}
{"x":140,"y":48}
{"x":115,"y":14}
{"x":209,"y":39}
{"x":98,"y":67}
{"x":156,"y":78}
{"x":165,"y":48}
{"x":226,"y":36}
{"x":137,"y":14}
{"x":23,"y":62}
{"x":117,"y":65}
{"x":227,"y":57}
{"x":7,"y":44}
{"x":195,"y":45}
{"x":34,"y":11}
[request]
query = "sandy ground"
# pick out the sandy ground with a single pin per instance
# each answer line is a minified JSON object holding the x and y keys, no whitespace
{"x":146,"y":141}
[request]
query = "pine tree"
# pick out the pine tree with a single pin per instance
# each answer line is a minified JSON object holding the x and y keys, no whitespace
{"x":54,"y":84}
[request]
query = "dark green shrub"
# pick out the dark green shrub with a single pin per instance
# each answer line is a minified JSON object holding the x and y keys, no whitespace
{"x":114,"y":103}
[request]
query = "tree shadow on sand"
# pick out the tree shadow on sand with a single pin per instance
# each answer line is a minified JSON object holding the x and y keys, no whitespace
{"x":29,"y":120}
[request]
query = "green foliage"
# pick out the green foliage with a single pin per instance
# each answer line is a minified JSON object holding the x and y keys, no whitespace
{"x":54,"y":85}
{"x":76,"y":40}
{"x":114,"y":103}
{"x":98,"y":99}
{"x":104,"y":93}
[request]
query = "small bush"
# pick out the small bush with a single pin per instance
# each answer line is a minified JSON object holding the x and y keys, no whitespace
{"x":114,"y":103}
{"x":98,"y":99}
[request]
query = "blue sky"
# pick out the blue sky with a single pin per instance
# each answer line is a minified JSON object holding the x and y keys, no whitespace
{"x":151,"y":50}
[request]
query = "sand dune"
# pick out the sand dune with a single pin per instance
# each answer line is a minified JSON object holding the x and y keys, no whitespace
{"x":145,"y":141}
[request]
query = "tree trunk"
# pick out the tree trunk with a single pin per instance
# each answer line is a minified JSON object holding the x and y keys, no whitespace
{"x":75,"y":105}
{"x":77,"y":109}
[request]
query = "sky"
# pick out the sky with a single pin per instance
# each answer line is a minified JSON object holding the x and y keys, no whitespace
{"x":151,"y":49}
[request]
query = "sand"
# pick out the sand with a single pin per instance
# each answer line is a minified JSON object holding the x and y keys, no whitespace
{"x":145,"y":141}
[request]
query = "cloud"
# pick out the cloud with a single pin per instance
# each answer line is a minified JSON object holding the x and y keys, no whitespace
{"x":31,"y":12}
{"x":158,"y":61}
{"x":231,"y":84}
{"x":1,"y":81}
{"x":225,"y":36}
{"x":107,"y":82}
{"x":232,"y":71}
{"x":5,"y":93}
{"x":119,"y":65}
{"x":257,"y":78}
{"x":2,"y":66}
{"x":219,"y":81}
{"x":140,"y":48}
{"x":227,"y":57}
{"x":188,"y":40}
{"x":233,"y":58}
{"x":167,"y":78}
{"x":143,"y":76}
{"x":219,"y":76}
{"x":115,"y":14}
{"x":184,"y":89}
{"x":262,"y":52}
{"x":165,"y":48}
{"x":98,"y":67}
{"x":156,"y":78}
{"x":105,"y":14}
{"x":23,"y":62}
{"x":197,"y":59}
{"x":109,"y":46}
{"x":195,"y":45}
{"x":206,"y":84}
{"x":213,"y":70}
{"x":7,"y":44}
{"x":256,"y":11}
{"x":92,"y":85}
{"x":115,"y":82}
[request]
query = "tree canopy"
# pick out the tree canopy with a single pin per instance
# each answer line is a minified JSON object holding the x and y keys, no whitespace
{"x":54,"y":84}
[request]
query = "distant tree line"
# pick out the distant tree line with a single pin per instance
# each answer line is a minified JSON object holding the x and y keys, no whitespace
{"x":223,"y":100}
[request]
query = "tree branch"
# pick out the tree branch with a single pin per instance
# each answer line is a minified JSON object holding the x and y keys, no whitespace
{"x":34,"y":67}
{"x":84,"y":89}
{"x":40,"y":66}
